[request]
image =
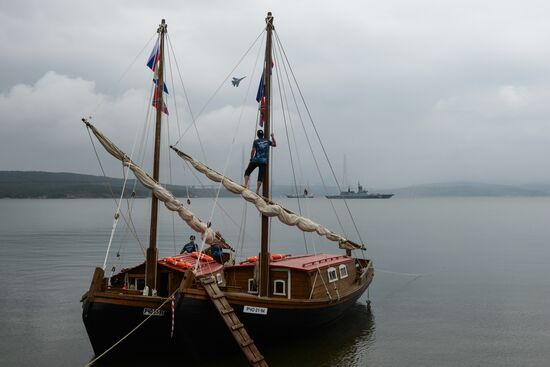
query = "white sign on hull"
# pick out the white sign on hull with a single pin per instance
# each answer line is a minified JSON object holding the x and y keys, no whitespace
{"x":255,"y":310}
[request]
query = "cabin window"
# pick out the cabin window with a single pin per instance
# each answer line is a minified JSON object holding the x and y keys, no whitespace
{"x":343,"y":271}
{"x":252,"y":286}
{"x":332,"y":276}
{"x":219,"y":278}
{"x":279,"y":288}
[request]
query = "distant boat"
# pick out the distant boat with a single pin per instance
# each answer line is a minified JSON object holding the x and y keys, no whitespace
{"x":305,"y":195}
{"x":360,"y":194}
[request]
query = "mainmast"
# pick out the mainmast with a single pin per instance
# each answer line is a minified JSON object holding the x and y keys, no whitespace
{"x":264,"y":251}
{"x":152,"y":253}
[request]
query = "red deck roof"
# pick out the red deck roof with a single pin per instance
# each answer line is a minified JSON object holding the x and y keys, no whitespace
{"x":205,"y":267}
{"x":308,"y":262}
{"x":312,"y":262}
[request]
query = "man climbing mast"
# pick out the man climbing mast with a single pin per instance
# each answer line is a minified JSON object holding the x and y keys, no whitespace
{"x":259,"y":156}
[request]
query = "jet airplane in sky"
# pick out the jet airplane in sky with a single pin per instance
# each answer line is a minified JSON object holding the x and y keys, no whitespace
{"x":236,"y":81}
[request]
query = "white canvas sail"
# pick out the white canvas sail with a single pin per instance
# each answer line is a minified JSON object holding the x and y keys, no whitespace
{"x":209,"y":236}
{"x":269,"y":208}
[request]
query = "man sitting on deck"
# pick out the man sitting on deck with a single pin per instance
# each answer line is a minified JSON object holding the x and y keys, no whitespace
{"x":217,"y":252}
{"x":189,"y":247}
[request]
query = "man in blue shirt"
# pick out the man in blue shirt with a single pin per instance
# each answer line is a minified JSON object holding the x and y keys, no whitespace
{"x":217,"y":252}
{"x":189,"y":247}
{"x":259,"y":157}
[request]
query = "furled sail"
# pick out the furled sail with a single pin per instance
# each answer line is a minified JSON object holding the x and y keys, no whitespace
{"x":269,"y":208}
{"x":209,"y":236}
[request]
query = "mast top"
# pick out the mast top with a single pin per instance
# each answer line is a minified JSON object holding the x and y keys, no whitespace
{"x":269,"y":18}
{"x":162,"y":26}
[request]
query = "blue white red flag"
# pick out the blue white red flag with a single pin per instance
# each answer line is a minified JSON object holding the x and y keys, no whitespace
{"x":156,"y":101}
{"x":261,"y":90}
{"x":153,"y":60}
{"x":261,"y":87}
{"x":263,"y":110}
{"x":153,"y":63}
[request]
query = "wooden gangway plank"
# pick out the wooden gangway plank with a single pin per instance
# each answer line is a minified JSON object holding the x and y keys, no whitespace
{"x":233,"y":324}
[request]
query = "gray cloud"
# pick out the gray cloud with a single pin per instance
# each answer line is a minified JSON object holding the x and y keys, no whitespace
{"x":411,"y":92}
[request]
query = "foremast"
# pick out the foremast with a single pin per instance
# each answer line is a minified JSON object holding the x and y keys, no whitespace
{"x":264,"y":250}
{"x":152,"y":252}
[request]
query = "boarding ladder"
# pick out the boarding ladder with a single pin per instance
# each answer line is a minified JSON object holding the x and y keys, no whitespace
{"x":232,"y":321}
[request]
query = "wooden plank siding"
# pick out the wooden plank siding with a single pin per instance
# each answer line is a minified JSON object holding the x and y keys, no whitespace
{"x":300,"y":285}
{"x":238,"y":277}
{"x":334,"y":289}
{"x":300,"y":281}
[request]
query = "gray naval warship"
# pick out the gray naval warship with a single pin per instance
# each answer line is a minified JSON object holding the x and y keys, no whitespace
{"x":360,"y":194}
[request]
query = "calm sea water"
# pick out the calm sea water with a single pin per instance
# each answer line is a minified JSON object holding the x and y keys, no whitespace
{"x":459,"y":282}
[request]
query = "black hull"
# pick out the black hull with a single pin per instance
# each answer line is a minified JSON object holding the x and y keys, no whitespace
{"x":108,"y":323}
{"x":201,"y":315}
{"x":196,"y":319}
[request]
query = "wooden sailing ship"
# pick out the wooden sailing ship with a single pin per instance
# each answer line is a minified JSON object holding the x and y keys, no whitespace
{"x":166,"y":302}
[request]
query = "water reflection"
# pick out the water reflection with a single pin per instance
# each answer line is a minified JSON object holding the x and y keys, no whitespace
{"x":343,"y":343}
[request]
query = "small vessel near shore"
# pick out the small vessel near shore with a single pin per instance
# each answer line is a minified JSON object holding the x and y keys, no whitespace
{"x":167,"y":302}
{"x":360,"y":194}
{"x":305,"y":195}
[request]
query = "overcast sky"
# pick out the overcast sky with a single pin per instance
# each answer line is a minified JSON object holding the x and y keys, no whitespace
{"x":409,"y":91}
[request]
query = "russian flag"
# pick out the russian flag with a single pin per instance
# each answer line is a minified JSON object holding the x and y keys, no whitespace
{"x":157,"y":99}
{"x":261,"y":87}
{"x":263,"y":109}
{"x":154,"y":57}
{"x":261,"y":90}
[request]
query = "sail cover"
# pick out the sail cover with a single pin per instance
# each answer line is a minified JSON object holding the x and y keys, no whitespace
{"x":209,"y":236}
{"x":269,"y":208}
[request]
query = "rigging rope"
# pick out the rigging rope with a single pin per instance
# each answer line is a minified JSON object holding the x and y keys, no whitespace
{"x":112,"y":193}
{"x":230,"y":153}
{"x":194,"y":121}
{"x":342,"y":229}
{"x":281,"y":91}
{"x":171,"y":181}
{"x":216,"y":202}
{"x":318,"y":136}
{"x":221,"y":85}
{"x":124,"y":74}
{"x":129,"y":222}
{"x":131,"y":331}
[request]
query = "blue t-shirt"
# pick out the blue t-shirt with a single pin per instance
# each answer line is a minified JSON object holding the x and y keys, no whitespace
{"x":262,"y":150}
{"x":189,"y":247}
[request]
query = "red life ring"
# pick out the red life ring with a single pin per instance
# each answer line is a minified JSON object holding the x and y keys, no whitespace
{"x":253,"y":259}
{"x":184,"y":265}
{"x":278,"y":256}
{"x":170,"y":260}
{"x":202,"y":256}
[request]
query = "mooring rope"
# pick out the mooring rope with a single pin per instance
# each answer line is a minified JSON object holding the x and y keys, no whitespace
{"x":131,"y":332}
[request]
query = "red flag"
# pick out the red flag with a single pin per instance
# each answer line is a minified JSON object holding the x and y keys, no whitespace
{"x":156,"y":99}
{"x":263,"y":111}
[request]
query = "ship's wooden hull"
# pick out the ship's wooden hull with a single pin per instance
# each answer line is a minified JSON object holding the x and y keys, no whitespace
{"x":281,"y":318}
{"x":110,"y":315}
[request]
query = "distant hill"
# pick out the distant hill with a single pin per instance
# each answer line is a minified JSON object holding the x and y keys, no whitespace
{"x":36,"y":184}
{"x":25,"y":184}
{"x":458,"y":189}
